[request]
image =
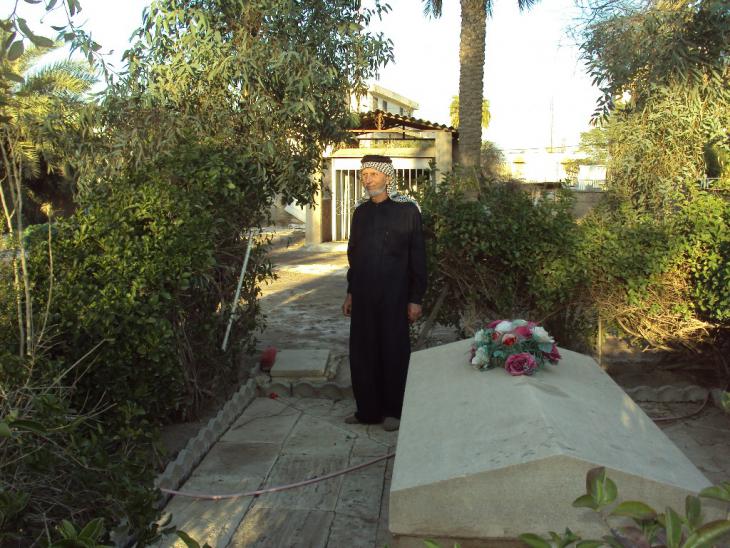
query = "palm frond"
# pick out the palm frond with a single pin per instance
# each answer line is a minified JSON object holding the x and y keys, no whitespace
{"x":433,"y":8}
{"x":63,"y":78}
{"x":526,"y":4}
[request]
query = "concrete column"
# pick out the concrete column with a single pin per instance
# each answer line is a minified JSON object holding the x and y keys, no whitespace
{"x":444,"y":154}
{"x":313,"y":221}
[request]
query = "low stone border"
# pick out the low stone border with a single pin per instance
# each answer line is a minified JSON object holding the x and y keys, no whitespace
{"x":178,"y":470}
{"x":307,"y":389}
{"x":669,"y":393}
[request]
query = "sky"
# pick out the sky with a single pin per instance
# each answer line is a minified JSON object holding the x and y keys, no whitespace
{"x":538,"y":91}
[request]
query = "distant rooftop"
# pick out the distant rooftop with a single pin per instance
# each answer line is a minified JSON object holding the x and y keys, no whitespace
{"x":380,"y":120}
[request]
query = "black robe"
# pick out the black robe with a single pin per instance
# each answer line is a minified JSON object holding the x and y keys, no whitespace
{"x":387,"y":271}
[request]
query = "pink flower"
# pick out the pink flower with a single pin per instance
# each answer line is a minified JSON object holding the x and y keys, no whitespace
{"x":523,"y":332}
{"x":496,"y":335}
{"x":494,"y":324}
{"x":509,"y":339}
{"x":553,"y":356}
{"x":531,"y":324}
{"x":473,"y":352}
{"x":520,"y":364}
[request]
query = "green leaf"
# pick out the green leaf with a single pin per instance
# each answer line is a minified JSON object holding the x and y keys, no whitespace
{"x":16,"y":50}
{"x":673,"y":526}
{"x":5,"y":430}
{"x":693,"y":509}
{"x":634,"y":509}
{"x":67,"y":529}
{"x":187,"y":539}
{"x":611,"y":491}
{"x":24,"y":27}
{"x":535,"y":541}
{"x":595,"y":479}
{"x":41,"y":41}
{"x":431,"y":544}
{"x":707,"y":534}
{"x":589,"y":544}
{"x":585,"y":501}
{"x":719,"y":492}
{"x":30,"y":426}
{"x":93,"y":529}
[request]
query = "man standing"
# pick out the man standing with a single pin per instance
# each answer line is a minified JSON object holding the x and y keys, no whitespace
{"x":385,"y":285}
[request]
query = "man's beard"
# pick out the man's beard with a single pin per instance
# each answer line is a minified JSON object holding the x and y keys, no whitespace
{"x":376,"y":192}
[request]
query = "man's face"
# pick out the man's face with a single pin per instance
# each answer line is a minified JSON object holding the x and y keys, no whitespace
{"x":373,"y":180}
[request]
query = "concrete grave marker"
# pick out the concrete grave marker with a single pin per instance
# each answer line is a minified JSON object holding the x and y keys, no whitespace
{"x":300,"y":363}
{"x":484,"y":455}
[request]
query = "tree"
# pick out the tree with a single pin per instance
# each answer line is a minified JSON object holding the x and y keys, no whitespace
{"x":454,"y":112}
{"x":474,"y":15}
{"x":631,"y":49}
{"x":36,"y":110}
{"x":664,"y":76}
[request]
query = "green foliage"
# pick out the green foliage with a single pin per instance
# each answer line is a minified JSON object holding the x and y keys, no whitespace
{"x":454,"y":112}
{"x":669,"y":287}
{"x":639,"y":48}
{"x":503,"y":255}
{"x":227,"y":107}
{"x":650,"y":528}
{"x":57,"y":463}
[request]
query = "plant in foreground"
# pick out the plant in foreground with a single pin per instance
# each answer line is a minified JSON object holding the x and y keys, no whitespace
{"x":650,"y":528}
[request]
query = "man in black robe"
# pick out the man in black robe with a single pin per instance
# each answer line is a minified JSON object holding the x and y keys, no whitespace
{"x":385,"y":285}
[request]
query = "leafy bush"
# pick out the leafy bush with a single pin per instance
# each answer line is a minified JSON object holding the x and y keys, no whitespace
{"x":650,"y":528}
{"x":58,"y":463}
{"x":660,"y":281}
{"x":502,"y":255}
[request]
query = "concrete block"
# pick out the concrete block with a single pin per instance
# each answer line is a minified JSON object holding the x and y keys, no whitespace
{"x":301,"y":363}
{"x":487,"y":455}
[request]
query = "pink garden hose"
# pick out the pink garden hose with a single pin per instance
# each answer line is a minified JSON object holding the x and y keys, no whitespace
{"x":278,"y":487}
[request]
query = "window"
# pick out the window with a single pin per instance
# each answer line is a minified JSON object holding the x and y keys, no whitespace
{"x":385,"y":105}
{"x":402,"y":111}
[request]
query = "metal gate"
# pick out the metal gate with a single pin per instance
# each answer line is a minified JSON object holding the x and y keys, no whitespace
{"x":347,"y":190}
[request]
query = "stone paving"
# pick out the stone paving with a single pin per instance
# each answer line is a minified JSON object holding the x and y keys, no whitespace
{"x":284,"y":440}
{"x":281,"y":441}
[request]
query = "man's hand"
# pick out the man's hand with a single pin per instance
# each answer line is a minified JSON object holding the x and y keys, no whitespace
{"x":347,"y":305}
{"x":414,"y":312}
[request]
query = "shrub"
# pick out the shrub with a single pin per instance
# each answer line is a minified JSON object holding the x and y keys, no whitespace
{"x":501,"y":255}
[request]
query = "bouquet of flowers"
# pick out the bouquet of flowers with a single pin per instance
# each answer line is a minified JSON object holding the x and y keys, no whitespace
{"x":521,"y":347}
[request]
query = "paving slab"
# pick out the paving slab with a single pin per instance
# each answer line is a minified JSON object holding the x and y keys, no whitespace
{"x":227,"y":468}
{"x":294,"y":468}
{"x":301,"y":363}
{"x":265,"y":420}
{"x":361,"y":491}
{"x":352,"y":532}
{"x":314,"y":436}
{"x":282,"y":527}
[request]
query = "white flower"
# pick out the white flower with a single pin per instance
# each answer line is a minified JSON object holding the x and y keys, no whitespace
{"x":480,"y":336}
{"x":480,"y":358}
{"x":540,"y":335}
{"x":504,"y":327}
{"x":518,"y":323}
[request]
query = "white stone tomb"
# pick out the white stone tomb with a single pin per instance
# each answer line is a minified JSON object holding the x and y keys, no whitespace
{"x":484,"y":455}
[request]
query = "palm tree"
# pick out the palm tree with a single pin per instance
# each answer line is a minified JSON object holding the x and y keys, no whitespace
{"x":474,"y":15}
{"x":33,"y":111}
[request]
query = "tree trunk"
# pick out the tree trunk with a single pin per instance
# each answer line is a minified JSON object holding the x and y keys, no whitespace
{"x":471,"y":81}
